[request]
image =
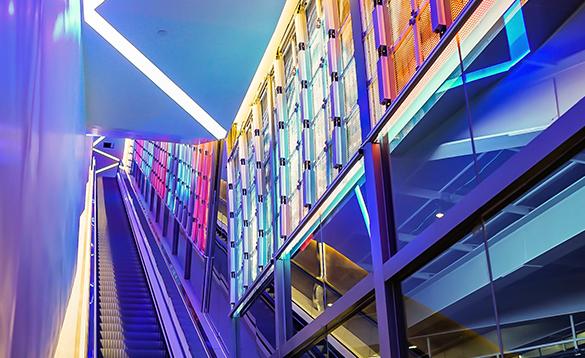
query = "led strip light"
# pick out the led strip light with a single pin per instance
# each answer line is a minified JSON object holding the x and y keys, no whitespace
{"x":149,"y":69}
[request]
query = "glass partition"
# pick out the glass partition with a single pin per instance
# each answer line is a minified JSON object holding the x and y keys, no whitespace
{"x":427,"y":179}
{"x":536,"y":247}
{"x":474,"y":121}
{"x":333,"y":259}
{"x":448,"y":304}
{"x":359,"y":333}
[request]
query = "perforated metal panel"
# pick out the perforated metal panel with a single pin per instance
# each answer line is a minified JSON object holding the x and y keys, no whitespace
{"x":428,"y":38}
{"x":456,"y":7}
{"x":400,"y":13}
{"x":405,"y":60}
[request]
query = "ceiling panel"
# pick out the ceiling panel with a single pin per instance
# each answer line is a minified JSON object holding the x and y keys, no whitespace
{"x":208,"y":48}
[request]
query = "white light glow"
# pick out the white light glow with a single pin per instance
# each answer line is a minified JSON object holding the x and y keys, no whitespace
{"x":106,"y":154}
{"x":439,"y":215}
{"x":106,"y":168}
{"x":149,"y":69}
{"x":97,"y":141}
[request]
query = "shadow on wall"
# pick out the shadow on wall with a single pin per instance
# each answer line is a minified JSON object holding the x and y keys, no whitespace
{"x":44,"y":157}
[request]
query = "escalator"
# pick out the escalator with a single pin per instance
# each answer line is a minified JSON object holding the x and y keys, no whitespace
{"x":127,"y":320}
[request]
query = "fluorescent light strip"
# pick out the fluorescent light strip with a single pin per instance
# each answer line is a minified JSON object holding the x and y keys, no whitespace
{"x":106,"y":168}
{"x":106,"y":154}
{"x":97,"y":141}
{"x":149,"y":69}
{"x":363,"y":208}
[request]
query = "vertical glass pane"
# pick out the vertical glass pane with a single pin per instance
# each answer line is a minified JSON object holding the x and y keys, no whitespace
{"x":456,"y":7}
{"x":349,"y":89}
{"x":346,"y":44}
{"x":321,"y":173}
{"x":354,"y":132}
{"x":448,"y":304}
{"x":346,"y":246}
{"x":343,"y":10}
{"x":261,"y":314}
{"x":511,"y":101}
{"x":536,"y":247}
{"x":307,"y":282}
{"x":359,"y":334}
{"x":428,"y":176}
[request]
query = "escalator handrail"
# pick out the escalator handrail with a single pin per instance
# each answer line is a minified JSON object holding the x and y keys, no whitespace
{"x":173,"y":333}
{"x":93,"y":260}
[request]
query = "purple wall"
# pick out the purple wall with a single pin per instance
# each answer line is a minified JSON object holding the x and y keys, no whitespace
{"x":44,"y":156}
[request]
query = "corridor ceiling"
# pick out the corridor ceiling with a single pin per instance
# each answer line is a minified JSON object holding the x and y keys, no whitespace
{"x":209,"y":49}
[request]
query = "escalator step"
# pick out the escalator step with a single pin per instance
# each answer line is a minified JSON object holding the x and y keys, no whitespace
{"x":132,"y":344}
{"x":121,"y":353}
{"x":114,"y":327}
{"x":154,"y":336}
{"x":106,"y":312}
{"x":128,"y":320}
{"x":130,"y":306}
{"x":122,"y":299}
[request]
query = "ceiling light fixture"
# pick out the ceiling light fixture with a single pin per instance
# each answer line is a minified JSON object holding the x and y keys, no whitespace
{"x":149,"y":69}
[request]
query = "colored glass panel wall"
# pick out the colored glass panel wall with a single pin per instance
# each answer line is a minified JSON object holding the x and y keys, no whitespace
{"x":300,"y":132}
{"x":181,"y":177}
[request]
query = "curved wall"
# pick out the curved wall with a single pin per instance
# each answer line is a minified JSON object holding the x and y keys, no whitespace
{"x":43,"y":167}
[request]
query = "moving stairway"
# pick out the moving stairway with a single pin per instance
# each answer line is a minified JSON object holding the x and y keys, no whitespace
{"x":127,"y":320}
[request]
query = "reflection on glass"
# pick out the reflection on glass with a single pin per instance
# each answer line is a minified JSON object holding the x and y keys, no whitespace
{"x":537,"y":251}
{"x":428,"y":178}
{"x":261,"y":314}
{"x":322,"y":349}
{"x":511,"y":102}
{"x":331,"y":260}
{"x":359,"y":334}
{"x":306,"y":280}
{"x":346,"y":247}
{"x":448,"y":304}
{"x":435,"y":161}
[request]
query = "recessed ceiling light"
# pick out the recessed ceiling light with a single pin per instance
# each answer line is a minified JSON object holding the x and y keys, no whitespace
{"x":439,"y":215}
{"x":412,"y":347}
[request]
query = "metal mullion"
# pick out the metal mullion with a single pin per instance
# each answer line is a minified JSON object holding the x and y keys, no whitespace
{"x":389,"y":305}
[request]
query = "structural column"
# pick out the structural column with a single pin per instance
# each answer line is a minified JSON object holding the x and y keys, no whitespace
{"x":382,"y":237}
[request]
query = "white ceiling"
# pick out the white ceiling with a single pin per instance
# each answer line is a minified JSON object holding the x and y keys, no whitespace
{"x":209,"y":48}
